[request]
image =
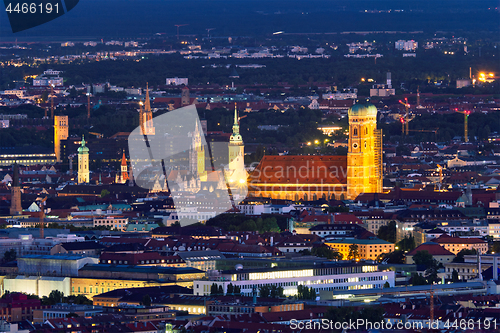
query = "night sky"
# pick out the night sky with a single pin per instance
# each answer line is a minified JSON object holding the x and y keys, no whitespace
{"x":97,"y":19}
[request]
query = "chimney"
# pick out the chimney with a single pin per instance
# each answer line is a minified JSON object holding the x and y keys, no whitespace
{"x":271,"y":241}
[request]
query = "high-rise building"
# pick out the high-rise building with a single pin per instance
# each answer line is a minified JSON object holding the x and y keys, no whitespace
{"x":15,"y":193}
{"x":60,"y":133}
{"x":83,"y":163}
{"x":364,"y":157}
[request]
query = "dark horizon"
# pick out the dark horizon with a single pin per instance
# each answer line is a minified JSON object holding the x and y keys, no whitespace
{"x":93,"y":19}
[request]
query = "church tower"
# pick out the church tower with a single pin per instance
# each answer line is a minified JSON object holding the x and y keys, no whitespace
{"x":364,"y":157}
{"x":185,"y":96}
{"x":83,"y":163}
{"x":15,"y":193}
{"x":236,"y":149}
{"x":60,"y":133}
{"x":146,"y":116}
{"x":124,"y":170}
{"x":197,"y":154}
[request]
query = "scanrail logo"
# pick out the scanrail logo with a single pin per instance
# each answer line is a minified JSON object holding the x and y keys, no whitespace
{"x":26,"y":14}
{"x":169,"y":153}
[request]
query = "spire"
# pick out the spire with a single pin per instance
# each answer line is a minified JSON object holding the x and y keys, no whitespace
{"x":236,"y":124}
{"x":124,"y":159}
{"x":147,"y":105}
{"x":83,"y":149}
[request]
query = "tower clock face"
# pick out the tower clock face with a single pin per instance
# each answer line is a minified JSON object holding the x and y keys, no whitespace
{"x":355,"y":145}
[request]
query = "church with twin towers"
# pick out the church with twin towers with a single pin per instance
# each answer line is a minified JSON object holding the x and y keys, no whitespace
{"x":314,"y":177}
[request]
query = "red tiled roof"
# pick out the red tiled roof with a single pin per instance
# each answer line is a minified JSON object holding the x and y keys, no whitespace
{"x":291,"y":169}
{"x":446,"y":239}
{"x":433,"y":248}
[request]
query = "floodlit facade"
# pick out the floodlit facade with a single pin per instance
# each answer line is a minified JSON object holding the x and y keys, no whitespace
{"x":83,"y":163}
{"x":364,"y":157}
{"x":60,"y":133}
{"x":325,"y":276}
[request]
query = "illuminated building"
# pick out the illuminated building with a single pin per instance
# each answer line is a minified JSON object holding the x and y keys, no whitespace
{"x":115,"y":222}
{"x":124,"y":168}
{"x":325,"y":276}
{"x":83,"y":163}
{"x":457,"y":244}
{"x":48,"y":78}
{"x":29,"y":155}
{"x":18,"y":307}
{"x":236,"y":154}
{"x":63,"y":310}
{"x":406,"y":45}
{"x":231,"y":308}
{"x":364,"y":156}
{"x":368,"y":249}
{"x":146,"y":116}
{"x":307,"y":177}
{"x":124,"y":176}
{"x":299,"y":177}
{"x":60,"y":133}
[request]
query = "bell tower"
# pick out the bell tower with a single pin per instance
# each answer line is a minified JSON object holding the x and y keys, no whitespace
{"x":83,"y":163}
{"x":364,"y":157}
{"x":236,"y":149}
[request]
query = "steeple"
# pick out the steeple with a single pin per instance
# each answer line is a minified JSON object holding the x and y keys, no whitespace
{"x":147,"y":105}
{"x":83,"y":163}
{"x":124,"y":159}
{"x":236,"y":137}
{"x":124,"y":171}
{"x":146,"y":116}
{"x":83,"y":149}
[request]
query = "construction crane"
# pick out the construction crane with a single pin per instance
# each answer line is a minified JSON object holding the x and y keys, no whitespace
{"x":41,"y":204}
{"x":435,"y":131}
{"x":88,"y":102}
{"x":407,"y":117}
{"x":179,"y":25}
{"x":51,"y":101}
{"x":466,"y":124}
{"x":98,"y":135}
